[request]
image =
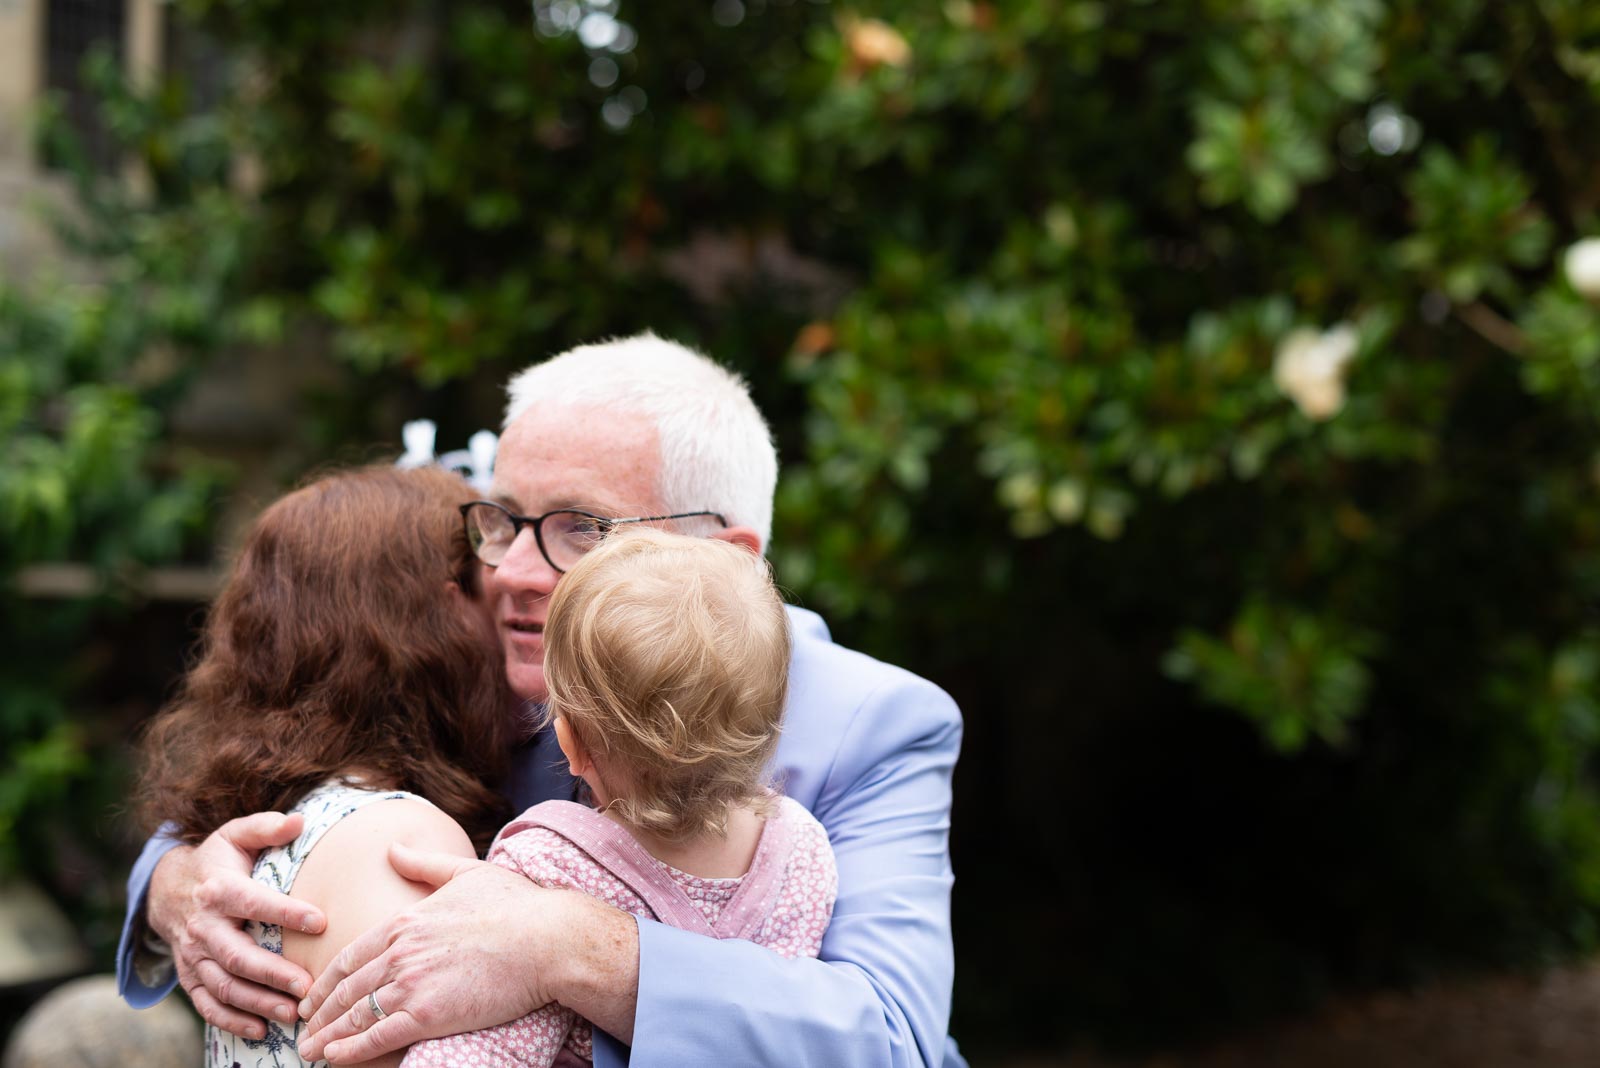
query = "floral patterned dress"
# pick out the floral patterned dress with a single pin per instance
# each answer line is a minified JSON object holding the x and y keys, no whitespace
{"x":784,"y":902}
{"x":277,"y":868}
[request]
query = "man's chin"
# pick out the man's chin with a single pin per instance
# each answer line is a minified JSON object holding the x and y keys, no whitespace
{"x":526,"y":680}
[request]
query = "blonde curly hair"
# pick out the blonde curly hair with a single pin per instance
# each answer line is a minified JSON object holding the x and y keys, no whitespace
{"x":668,"y":658}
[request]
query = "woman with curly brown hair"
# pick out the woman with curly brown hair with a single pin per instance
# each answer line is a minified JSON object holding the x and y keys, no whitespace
{"x":349,"y":675}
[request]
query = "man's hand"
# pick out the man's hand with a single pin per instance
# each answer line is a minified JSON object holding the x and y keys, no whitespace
{"x":198,"y":901}
{"x":465,"y":958}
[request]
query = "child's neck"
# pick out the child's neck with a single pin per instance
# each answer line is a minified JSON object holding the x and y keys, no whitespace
{"x":708,"y":855}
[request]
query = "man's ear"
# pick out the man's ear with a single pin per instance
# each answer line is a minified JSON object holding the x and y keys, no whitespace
{"x":577,"y":756}
{"x":745,"y":536}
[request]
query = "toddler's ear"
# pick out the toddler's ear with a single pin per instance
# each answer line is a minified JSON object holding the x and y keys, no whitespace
{"x":577,"y":756}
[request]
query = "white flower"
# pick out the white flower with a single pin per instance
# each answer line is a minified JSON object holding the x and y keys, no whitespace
{"x":1583,"y":267}
{"x":1310,"y":367}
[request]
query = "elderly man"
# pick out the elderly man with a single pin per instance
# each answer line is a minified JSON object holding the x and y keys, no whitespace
{"x":637,"y":430}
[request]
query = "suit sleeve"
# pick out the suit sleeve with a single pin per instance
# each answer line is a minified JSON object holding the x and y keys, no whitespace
{"x":880,"y":993}
{"x":145,"y":972}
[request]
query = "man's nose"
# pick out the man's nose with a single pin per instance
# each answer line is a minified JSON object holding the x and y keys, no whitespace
{"x":525,"y":573}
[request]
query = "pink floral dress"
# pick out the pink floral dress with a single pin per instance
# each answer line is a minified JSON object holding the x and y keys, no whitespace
{"x":783,"y":902}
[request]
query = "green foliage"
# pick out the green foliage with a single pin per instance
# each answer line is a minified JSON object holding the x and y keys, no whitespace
{"x":1475,"y":223}
{"x":1285,"y":670}
{"x":90,"y":365}
{"x":45,"y":757}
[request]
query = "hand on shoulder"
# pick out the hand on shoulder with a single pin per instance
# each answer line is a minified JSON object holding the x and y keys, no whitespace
{"x":347,"y":875}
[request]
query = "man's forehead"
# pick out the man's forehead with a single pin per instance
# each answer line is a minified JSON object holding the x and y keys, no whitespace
{"x":545,"y":465}
{"x":536,"y":485}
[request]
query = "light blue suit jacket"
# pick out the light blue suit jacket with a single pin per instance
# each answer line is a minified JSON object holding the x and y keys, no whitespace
{"x":869,"y":749}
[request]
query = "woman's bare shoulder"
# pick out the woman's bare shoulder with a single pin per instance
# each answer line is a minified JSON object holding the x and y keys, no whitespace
{"x":374,"y":826}
{"x":348,"y":875}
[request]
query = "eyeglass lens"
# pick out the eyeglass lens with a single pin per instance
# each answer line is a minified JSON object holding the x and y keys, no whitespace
{"x":565,"y":536}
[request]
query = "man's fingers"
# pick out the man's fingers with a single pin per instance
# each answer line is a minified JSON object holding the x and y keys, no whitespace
{"x":262,"y":830}
{"x":427,"y":867}
{"x":243,"y":898}
{"x":395,"y":1031}
{"x":348,"y":996}
{"x":225,"y":1017}
{"x":356,"y":1014}
{"x":242,"y":994}
{"x":237,"y":954}
{"x":359,"y":968}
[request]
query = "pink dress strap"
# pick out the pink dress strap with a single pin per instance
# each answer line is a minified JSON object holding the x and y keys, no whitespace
{"x":757,"y":896}
{"x":614,"y":849}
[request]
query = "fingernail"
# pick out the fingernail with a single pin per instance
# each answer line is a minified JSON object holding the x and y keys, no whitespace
{"x":283,"y":1013}
{"x":305,"y":923}
{"x":298,"y":988}
{"x":305,"y":1008}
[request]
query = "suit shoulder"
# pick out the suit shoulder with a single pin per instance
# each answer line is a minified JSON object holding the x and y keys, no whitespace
{"x":826,"y":675}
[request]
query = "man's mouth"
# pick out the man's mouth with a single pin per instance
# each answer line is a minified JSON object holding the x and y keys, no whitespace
{"x":523,"y":627}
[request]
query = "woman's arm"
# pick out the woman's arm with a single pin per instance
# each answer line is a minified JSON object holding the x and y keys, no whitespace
{"x":348,"y":876}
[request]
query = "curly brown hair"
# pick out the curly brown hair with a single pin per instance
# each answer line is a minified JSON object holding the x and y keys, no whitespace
{"x":334,"y":649}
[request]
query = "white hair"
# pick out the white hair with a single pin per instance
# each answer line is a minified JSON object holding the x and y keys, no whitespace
{"x":716,"y":449}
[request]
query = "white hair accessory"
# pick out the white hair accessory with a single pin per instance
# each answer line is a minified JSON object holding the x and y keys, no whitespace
{"x":418,"y":437}
{"x":482,"y":447}
{"x":475,"y":463}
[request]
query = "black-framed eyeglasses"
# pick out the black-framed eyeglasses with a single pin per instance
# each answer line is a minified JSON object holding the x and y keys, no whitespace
{"x":563,"y":535}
